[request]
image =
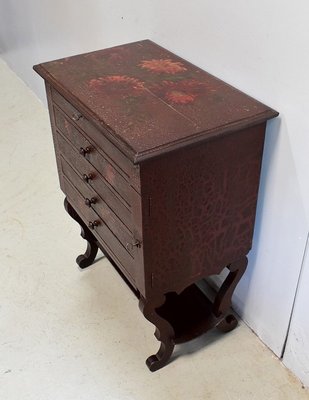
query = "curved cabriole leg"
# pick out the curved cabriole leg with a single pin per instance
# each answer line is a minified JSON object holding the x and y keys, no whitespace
{"x":84,"y":260}
{"x":223,"y":299}
{"x":87,"y":259}
{"x":164,"y":333}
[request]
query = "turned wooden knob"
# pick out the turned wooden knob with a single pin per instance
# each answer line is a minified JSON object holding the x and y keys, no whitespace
{"x":85,"y":151}
{"x":77,"y":116}
{"x":93,"y":224}
{"x":87,"y":177}
{"x":88,"y":202}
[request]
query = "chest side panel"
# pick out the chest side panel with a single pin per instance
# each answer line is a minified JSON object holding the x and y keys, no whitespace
{"x":199,"y":208}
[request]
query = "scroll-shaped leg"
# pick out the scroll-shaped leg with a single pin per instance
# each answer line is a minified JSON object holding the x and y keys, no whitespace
{"x":84,"y":260}
{"x":223,"y":299}
{"x":164,"y":332}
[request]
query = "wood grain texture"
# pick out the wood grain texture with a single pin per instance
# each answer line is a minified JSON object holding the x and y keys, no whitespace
{"x":86,"y":259}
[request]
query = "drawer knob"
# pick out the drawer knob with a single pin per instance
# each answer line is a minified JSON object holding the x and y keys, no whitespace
{"x":136,"y":243}
{"x":77,"y":116}
{"x":88,"y":202}
{"x":85,"y":151}
{"x":93,"y":224}
{"x":87,"y":177}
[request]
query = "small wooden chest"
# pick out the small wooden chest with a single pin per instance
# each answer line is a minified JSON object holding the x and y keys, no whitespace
{"x":160,"y":165}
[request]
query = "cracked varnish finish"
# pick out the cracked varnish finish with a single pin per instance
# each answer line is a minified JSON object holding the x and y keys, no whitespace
{"x":199,"y":208}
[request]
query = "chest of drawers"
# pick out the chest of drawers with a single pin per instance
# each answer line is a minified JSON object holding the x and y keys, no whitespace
{"x":160,"y":163}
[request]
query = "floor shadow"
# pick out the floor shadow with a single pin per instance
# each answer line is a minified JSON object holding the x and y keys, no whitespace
{"x":196,"y":345}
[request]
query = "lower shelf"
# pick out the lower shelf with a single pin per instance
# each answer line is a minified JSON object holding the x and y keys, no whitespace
{"x":190,"y":313}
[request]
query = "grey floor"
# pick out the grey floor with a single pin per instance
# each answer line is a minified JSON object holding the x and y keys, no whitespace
{"x":67,"y":334}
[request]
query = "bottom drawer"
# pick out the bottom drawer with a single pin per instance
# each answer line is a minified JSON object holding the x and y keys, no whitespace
{"x":123,"y":259}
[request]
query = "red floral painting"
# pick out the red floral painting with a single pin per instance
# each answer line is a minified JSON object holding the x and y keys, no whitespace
{"x":166,"y":66}
{"x":179,"y":92}
{"x":147,"y":94}
{"x":166,"y":79}
{"x":121,"y":84}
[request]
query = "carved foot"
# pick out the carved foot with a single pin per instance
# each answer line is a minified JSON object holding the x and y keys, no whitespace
{"x":228,"y":323}
{"x":87,"y":259}
{"x":164,"y":333}
{"x":84,"y":260}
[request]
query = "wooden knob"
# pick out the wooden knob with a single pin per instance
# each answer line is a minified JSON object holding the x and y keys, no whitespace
{"x":87,"y":177}
{"x":93,"y":224}
{"x":85,"y":151}
{"x":77,"y":116}
{"x":136,"y":243}
{"x":88,"y":202}
{"x":129,"y":246}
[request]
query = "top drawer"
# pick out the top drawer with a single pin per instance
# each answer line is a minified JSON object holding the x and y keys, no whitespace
{"x":110,"y":172}
{"x":110,"y":150}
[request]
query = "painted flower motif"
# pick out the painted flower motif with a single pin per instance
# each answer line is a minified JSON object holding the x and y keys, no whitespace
{"x":178,"y":97}
{"x":118,"y":84}
{"x":181,"y":92}
{"x":160,"y":66}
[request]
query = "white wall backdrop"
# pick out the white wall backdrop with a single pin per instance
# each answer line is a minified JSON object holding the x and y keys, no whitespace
{"x":259,"y":47}
{"x":296,"y":356}
{"x":37,"y":30}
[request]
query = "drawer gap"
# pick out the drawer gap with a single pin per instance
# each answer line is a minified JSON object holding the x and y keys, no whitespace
{"x":111,"y":255}
{"x":77,"y":183}
{"x":100,"y":218}
{"x":77,"y":155}
{"x":123,"y":173}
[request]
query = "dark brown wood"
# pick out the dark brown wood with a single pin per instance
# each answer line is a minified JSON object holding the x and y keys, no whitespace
{"x":93,"y":200}
{"x":88,"y":130}
{"x":84,"y":260}
{"x":228,"y":323}
{"x":223,"y":299}
{"x":199,"y":208}
{"x":111,"y":175}
{"x":101,"y":231}
{"x":164,"y":332}
{"x":83,"y":169}
{"x":160,"y":164}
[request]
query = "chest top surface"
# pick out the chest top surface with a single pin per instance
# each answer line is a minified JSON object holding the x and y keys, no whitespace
{"x":149,"y":100}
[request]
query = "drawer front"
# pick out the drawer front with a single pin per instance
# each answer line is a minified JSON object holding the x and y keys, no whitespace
{"x":90,"y":152}
{"x":93,"y":200}
{"x":109,"y":241}
{"x":97,"y":182}
{"x":111,"y":151}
